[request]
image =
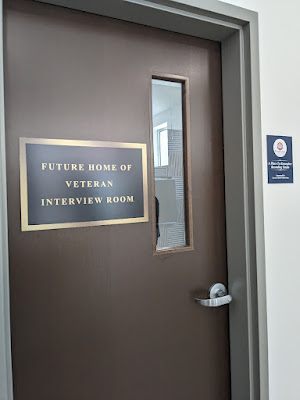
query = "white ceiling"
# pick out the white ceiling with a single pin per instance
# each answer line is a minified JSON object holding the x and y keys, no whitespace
{"x":165,"y":96}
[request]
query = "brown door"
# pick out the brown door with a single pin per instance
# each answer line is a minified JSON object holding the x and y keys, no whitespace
{"x":95,"y":314}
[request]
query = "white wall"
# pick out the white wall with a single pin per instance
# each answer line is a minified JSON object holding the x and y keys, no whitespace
{"x":279,"y":30}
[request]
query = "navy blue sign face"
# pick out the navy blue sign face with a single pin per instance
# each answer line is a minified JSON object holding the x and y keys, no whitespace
{"x":68,"y":184}
{"x":280,"y":159}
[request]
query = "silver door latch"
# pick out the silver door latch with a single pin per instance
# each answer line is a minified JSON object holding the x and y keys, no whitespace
{"x":217,"y":296}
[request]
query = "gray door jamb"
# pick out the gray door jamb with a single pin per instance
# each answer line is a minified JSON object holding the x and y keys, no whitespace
{"x":6,"y":391}
{"x":237,"y":31}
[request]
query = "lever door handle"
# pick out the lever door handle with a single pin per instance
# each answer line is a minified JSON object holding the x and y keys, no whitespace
{"x":217,"y":296}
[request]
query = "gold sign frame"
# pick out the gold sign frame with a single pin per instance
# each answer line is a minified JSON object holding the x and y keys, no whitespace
{"x":80,"y":143}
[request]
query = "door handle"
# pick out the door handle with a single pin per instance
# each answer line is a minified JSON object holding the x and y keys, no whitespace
{"x":217,"y":296}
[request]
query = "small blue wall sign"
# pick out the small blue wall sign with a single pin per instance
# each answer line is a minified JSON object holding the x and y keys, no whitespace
{"x":280,"y":159}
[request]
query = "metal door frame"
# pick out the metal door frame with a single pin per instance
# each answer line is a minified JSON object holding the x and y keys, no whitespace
{"x":237,"y":31}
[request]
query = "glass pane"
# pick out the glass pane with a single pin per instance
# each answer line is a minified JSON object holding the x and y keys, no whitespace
{"x":168,"y":164}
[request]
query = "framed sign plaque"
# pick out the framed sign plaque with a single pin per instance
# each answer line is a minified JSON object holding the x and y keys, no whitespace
{"x":280,"y":159}
{"x":74,"y":183}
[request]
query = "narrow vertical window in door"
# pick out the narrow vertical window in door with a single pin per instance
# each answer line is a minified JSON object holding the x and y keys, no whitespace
{"x":169,"y":137}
